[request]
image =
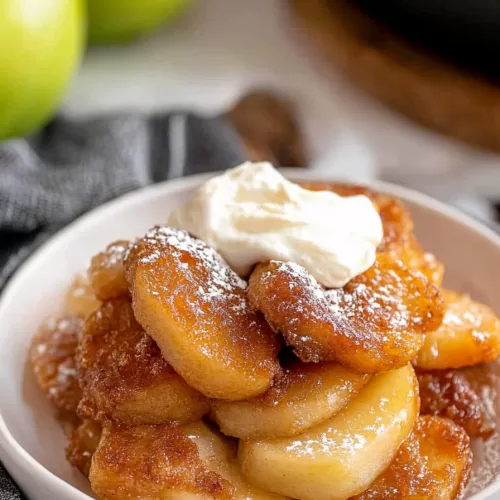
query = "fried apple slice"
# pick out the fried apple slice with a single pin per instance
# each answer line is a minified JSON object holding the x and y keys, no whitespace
{"x":106,"y":272}
{"x":125,"y":378}
{"x":342,"y":456}
{"x":304,"y":395}
{"x":164,"y":463}
{"x":82,"y":445}
{"x":415,"y":258}
{"x":466,"y":396}
{"x":434,"y":463}
{"x":152,"y":462}
{"x":449,"y":394}
{"x":196,"y":309}
{"x":374,"y":323}
{"x":52,"y":356}
{"x":80,"y":298}
{"x":469,"y":334}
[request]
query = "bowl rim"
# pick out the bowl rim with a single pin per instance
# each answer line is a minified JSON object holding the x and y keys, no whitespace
{"x":22,"y":457}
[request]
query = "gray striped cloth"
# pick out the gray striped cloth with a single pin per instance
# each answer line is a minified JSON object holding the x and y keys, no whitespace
{"x":70,"y":167}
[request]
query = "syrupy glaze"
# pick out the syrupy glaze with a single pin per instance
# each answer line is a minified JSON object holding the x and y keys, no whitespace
{"x":432,"y":463}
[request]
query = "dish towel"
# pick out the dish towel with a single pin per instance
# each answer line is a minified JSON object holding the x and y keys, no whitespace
{"x":48,"y":180}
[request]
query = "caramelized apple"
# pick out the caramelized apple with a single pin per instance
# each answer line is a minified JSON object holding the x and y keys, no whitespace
{"x":469,"y":334}
{"x":125,"y":378}
{"x":196,"y":309}
{"x":82,"y":445}
{"x":167,"y":463}
{"x":433,"y":463}
{"x":467,"y":396}
{"x":306,"y":394}
{"x":415,"y":258}
{"x":152,"y":462}
{"x":341,"y":457}
{"x":374,"y":323}
{"x":106,"y":272}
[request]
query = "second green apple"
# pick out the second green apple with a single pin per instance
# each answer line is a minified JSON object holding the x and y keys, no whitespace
{"x":119,"y":21}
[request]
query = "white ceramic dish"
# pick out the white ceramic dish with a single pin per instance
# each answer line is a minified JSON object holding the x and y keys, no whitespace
{"x":31,"y":442}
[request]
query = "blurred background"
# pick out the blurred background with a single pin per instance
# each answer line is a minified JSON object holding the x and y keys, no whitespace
{"x":400,"y":90}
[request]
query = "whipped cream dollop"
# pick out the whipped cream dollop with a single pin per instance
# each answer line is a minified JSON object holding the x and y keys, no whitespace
{"x":252,"y":214}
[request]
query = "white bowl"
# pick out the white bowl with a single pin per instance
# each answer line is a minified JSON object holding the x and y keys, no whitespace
{"x":31,"y":442}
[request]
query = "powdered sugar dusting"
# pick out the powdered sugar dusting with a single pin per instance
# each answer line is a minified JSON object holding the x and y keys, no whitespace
{"x":181,"y":288}
{"x":384,"y":300}
{"x":222,"y":276}
{"x":218,"y":280}
{"x":116,"y":252}
{"x":374,"y":323}
{"x":368,"y":302}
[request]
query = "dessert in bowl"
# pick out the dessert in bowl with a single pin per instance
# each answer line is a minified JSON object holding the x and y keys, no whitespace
{"x":184,"y":369}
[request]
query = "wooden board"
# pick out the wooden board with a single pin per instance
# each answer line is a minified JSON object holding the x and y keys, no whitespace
{"x":427,"y":89}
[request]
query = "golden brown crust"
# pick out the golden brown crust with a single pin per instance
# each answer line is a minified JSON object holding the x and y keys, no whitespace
{"x":449,"y":393}
{"x":468,"y":335}
{"x":433,"y":463}
{"x":152,"y":462}
{"x":82,"y":445}
{"x":125,"y":378}
{"x":106,"y":271}
{"x":414,"y":257}
{"x":375,"y":323}
{"x":196,"y":309}
{"x":52,"y":356}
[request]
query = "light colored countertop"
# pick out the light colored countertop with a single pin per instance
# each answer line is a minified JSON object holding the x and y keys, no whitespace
{"x":223,"y":47}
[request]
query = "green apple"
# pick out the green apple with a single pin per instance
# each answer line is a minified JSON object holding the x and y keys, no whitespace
{"x":41,"y":42}
{"x":117,"y":21}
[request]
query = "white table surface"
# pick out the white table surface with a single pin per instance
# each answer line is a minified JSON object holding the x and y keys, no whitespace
{"x":221,"y":48}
